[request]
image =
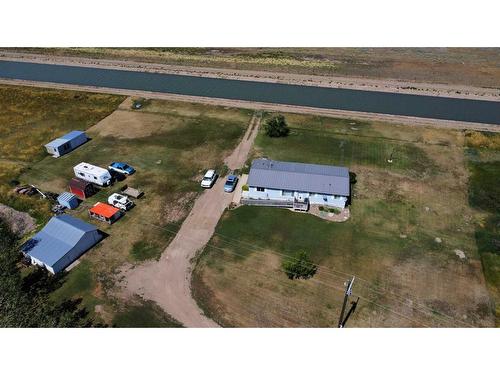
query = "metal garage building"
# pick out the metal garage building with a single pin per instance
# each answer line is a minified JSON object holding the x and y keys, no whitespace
{"x":63,"y":240}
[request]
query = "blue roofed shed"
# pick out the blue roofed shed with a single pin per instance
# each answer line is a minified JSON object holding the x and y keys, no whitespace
{"x":68,"y":200}
{"x":63,"y":240}
{"x":66,"y":143}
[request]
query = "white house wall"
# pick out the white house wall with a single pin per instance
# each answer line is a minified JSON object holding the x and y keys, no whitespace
{"x":274,"y":194}
{"x":38,"y":262}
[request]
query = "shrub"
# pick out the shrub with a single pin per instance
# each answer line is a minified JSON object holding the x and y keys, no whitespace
{"x":244,"y":187}
{"x":299,"y":267}
{"x":321,"y":208}
{"x":276,"y":126}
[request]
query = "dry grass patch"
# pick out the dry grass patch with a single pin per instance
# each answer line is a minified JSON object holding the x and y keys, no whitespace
{"x":467,"y":66}
{"x":127,"y":124}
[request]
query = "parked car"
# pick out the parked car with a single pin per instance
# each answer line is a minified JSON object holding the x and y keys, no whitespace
{"x":209,"y":179}
{"x":231,"y":183}
{"x":120,"y":201}
{"x":121,"y":168}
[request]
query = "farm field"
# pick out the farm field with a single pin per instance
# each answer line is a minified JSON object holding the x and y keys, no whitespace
{"x":421,"y":240}
{"x":169,"y":143}
{"x":462,"y":66}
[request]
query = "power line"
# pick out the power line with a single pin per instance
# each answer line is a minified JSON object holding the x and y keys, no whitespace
{"x":336,"y":288}
{"x":332,"y":272}
{"x":375,"y":290}
{"x":313,"y":280}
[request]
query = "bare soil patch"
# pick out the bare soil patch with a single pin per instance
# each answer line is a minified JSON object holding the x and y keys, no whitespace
{"x":129,"y":124}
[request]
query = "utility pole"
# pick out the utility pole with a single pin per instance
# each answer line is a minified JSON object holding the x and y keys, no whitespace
{"x":351,"y":311}
{"x":347,"y":293}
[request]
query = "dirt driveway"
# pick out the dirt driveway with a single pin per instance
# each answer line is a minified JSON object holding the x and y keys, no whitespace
{"x":168,"y":281}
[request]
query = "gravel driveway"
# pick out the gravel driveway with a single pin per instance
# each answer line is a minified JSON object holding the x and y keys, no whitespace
{"x":168,"y":281}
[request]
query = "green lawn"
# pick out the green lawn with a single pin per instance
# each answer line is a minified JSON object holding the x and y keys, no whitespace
{"x":145,"y":315}
{"x":407,"y":220}
{"x":333,"y":141}
{"x":30,"y":118}
{"x":484,"y":194}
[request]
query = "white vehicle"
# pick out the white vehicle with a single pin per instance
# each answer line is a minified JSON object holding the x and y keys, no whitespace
{"x":120,"y":201}
{"x":92,"y":173}
{"x":209,"y":179}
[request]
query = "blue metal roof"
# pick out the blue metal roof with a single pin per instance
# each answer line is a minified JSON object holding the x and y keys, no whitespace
{"x":66,"y":197}
{"x":65,"y":138}
{"x":312,"y":178}
{"x":57,"y":238}
{"x":72,"y":135}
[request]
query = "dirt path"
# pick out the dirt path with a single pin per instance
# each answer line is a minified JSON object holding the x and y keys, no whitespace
{"x":271,"y":107}
{"x":168,"y":281}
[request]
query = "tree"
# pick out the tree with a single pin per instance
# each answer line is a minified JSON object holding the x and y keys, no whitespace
{"x":276,"y":126}
{"x":299,"y":267}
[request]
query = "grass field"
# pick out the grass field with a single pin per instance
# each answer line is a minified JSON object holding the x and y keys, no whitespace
{"x":408,"y":219}
{"x":146,"y":314}
{"x":467,"y":66}
{"x":169,"y":143}
{"x":30,"y":118}
{"x":483,"y":156}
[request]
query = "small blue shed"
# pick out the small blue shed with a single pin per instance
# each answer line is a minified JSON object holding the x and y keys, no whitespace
{"x":68,"y":200}
{"x":66,"y":143}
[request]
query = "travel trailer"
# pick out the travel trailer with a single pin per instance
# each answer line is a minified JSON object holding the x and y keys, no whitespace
{"x":92,"y":173}
{"x":66,"y":143}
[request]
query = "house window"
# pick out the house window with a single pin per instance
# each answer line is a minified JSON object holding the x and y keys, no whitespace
{"x":260,"y":189}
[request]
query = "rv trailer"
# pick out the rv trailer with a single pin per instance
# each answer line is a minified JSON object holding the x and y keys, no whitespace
{"x":92,"y":173}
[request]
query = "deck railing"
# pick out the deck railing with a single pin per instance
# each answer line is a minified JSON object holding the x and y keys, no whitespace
{"x":267,"y":202}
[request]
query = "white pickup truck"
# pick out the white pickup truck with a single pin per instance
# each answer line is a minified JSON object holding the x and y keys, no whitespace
{"x":120,"y":201}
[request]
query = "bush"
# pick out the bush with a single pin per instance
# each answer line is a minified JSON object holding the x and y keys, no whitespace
{"x":321,"y":208}
{"x":276,"y":126}
{"x":299,"y":267}
{"x":244,"y":187}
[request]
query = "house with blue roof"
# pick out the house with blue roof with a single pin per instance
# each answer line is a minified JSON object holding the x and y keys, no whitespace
{"x":66,"y":143}
{"x":296,"y":185}
{"x":63,"y":240}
